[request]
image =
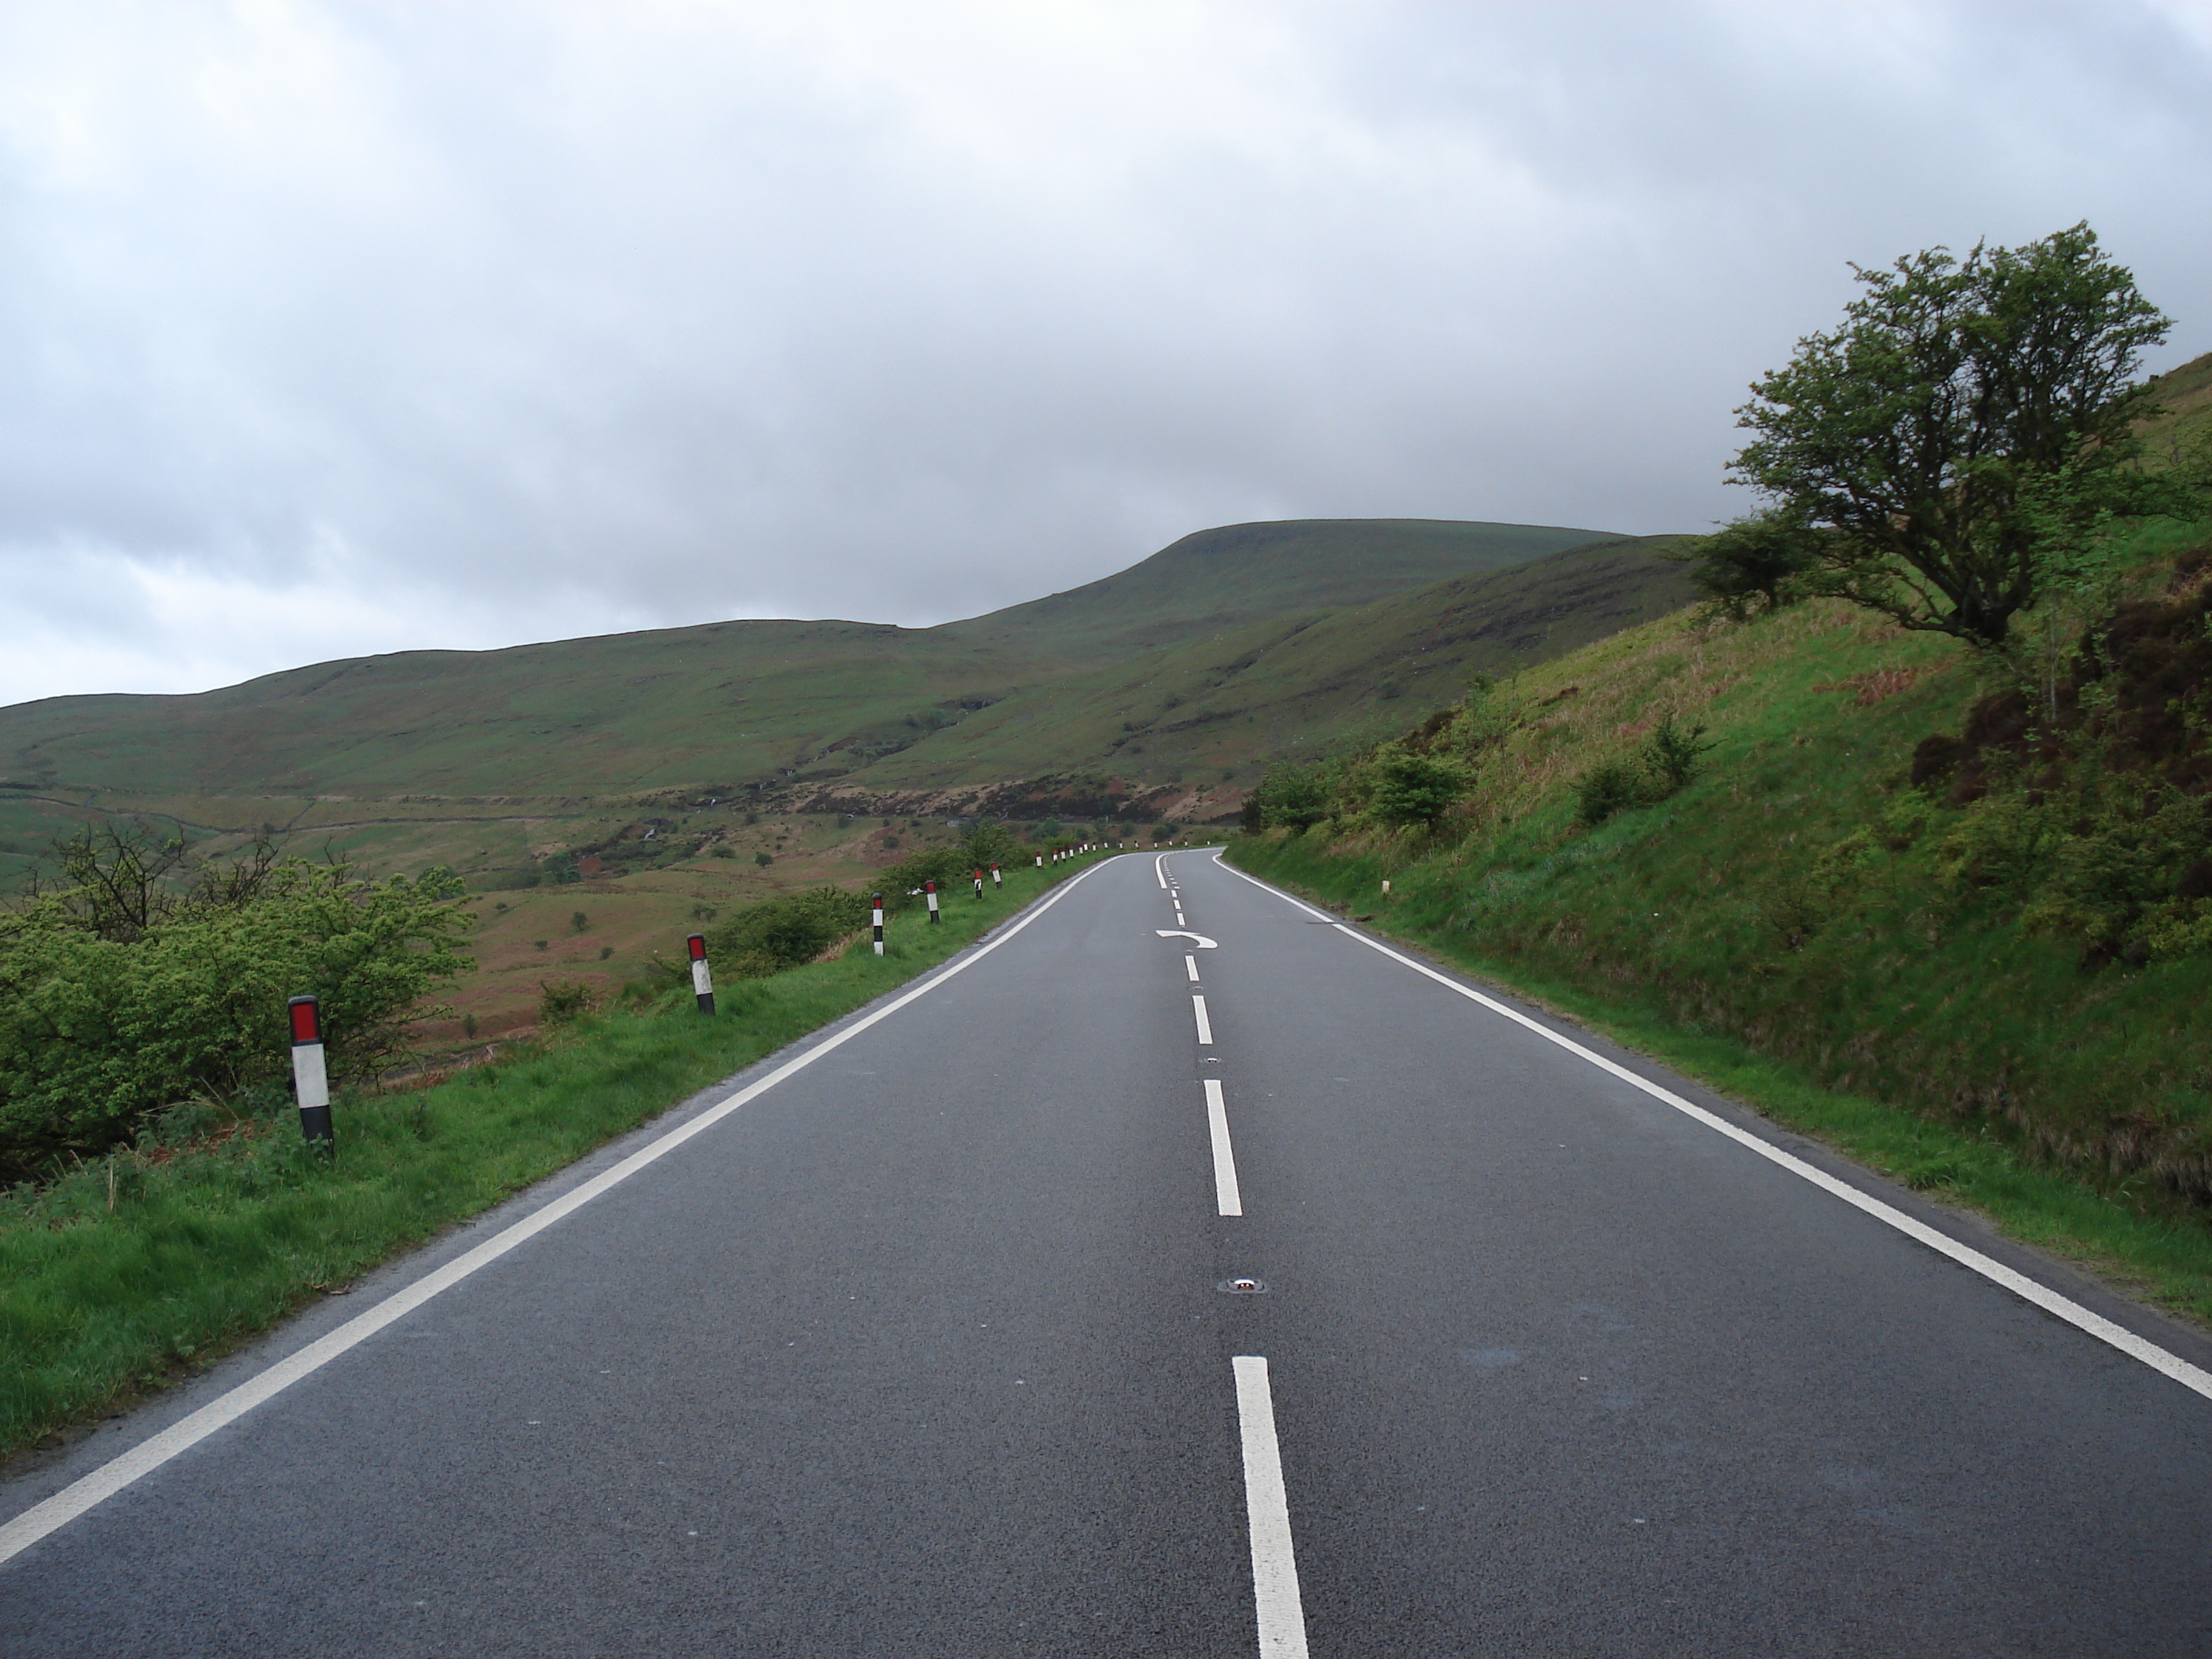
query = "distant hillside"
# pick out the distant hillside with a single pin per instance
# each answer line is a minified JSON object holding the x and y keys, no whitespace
{"x":1241,"y":695}
{"x":1243,"y":573}
{"x":725,"y":702}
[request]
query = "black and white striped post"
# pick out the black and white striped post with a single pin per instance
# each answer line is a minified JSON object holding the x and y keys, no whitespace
{"x":310,"y":1077}
{"x":930,"y":888}
{"x":1040,"y":859}
{"x":703,"y":978}
{"x":997,"y":880}
{"x":878,"y":924}
{"x":979,"y":881}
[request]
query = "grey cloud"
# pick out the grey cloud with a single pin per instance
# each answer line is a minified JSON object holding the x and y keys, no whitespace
{"x":460,"y":325}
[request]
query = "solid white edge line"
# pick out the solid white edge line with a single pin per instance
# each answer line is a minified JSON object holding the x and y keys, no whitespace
{"x":1205,"y":1025}
{"x":2118,"y":1336}
{"x":118,"y":1471}
{"x":1160,"y":870}
{"x":1268,"y":1515}
{"x":1226,"y":1198}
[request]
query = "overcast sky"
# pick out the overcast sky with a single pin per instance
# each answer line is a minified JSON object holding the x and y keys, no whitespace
{"x":332,"y":329}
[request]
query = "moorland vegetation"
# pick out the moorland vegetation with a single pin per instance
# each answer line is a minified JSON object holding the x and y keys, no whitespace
{"x":1918,"y":807}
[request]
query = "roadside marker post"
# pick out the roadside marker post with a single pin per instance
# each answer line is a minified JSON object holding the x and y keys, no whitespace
{"x":997,"y":880}
{"x":930,"y":887}
{"x":979,"y":881}
{"x":1040,"y":859}
{"x":879,"y":924}
{"x":702,"y":981}
{"x":310,"y":1077}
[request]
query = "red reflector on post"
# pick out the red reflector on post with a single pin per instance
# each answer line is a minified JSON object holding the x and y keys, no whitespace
{"x":697,"y":946}
{"x":306,"y":1020}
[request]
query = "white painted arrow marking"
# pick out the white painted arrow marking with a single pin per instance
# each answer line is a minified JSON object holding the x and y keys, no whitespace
{"x":1203,"y":943}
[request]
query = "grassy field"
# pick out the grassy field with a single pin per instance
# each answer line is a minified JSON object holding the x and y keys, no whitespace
{"x":132,"y":1272}
{"x":1803,"y":927}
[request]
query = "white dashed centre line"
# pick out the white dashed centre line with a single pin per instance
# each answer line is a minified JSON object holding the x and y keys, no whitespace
{"x":1205,"y":1025}
{"x":1190,"y":966}
{"x":1274,"y":1568}
{"x":1226,"y":1198}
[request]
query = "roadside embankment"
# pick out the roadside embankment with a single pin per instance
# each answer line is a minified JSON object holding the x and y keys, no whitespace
{"x":131,"y":1271}
{"x":1963,"y":944}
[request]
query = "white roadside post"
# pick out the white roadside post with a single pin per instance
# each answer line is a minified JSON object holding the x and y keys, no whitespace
{"x":878,"y":924}
{"x":930,"y":888}
{"x":979,"y":881}
{"x":997,"y":880}
{"x":310,"y":1077}
{"x":702,"y":979}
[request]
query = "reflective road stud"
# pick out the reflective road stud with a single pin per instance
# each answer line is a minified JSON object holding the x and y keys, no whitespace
{"x":702,"y":981}
{"x":930,"y":887}
{"x":311,"y":1080}
{"x":879,"y":924}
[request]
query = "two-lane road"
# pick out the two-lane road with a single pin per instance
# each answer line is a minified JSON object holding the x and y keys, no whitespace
{"x":935,"y":1346}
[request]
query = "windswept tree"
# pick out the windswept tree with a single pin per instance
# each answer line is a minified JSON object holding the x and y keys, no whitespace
{"x":1761,"y":561}
{"x":1963,"y":439}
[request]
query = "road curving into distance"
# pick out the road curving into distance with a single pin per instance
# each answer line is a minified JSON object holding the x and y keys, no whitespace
{"x":1176,"y":1272}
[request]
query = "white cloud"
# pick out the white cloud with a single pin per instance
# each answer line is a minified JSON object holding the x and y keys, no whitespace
{"x":519,"y":321}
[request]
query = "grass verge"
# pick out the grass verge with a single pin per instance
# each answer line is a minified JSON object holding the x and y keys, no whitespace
{"x":130,"y":1274}
{"x":2140,"y":1240}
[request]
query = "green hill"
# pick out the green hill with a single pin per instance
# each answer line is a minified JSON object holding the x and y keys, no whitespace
{"x":1218,"y":578}
{"x":1296,"y":683}
{"x":649,"y":779}
{"x":720,"y":703}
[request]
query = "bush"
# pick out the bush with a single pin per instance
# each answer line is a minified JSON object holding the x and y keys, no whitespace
{"x":985,"y":844}
{"x":1673,"y":754}
{"x":942,"y":864}
{"x":120,"y":995}
{"x":558,"y":1005}
{"x":1760,"y":562}
{"x":784,"y":933}
{"x":721,"y":849}
{"x":1415,"y":788}
{"x":763,"y":859}
{"x":1292,"y":797}
{"x":1605,"y":789}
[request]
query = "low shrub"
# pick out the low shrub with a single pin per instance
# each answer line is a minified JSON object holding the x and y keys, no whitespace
{"x":125,"y":992}
{"x":787,"y":931}
{"x":1608,"y":789}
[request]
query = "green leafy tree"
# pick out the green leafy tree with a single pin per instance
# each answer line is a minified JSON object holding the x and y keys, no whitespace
{"x":1414,"y":788}
{"x":1296,"y":797}
{"x":1761,"y":561}
{"x":1966,"y":434}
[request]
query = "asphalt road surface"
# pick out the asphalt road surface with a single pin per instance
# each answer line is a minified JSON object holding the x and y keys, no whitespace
{"x":937,"y":1346}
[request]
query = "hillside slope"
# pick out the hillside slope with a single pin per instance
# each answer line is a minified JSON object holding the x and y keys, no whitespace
{"x":722,"y":703}
{"x":1295,"y":683}
{"x":1222,"y":578}
{"x":1899,"y":873}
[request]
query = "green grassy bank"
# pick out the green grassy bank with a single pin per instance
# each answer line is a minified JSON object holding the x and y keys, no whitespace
{"x":2156,"y":1251}
{"x":1942,"y":981}
{"x":130,"y":1272}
